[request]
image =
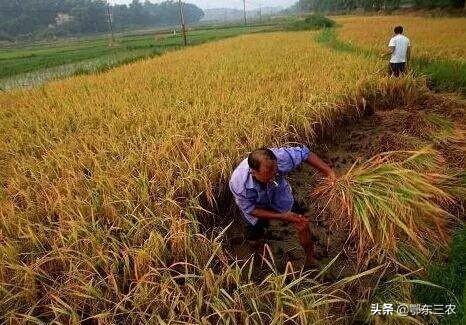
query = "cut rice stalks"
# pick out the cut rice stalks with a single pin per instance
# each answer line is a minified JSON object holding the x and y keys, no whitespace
{"x":393,"y":200}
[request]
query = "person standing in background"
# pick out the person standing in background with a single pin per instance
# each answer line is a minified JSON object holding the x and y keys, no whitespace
{"x":400,"y":52}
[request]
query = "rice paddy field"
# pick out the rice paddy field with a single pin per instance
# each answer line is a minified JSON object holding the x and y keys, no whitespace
{"x":437,"y":44}
{"x":434,"y":38}
{"x":29,"y":64}
{"x":114,"y":206}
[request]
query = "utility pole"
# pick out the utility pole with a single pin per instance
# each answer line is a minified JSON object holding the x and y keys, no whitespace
{"x":244,"y":11}
{"x":260,"y":12}
{"x":183,"y":27}
{"x":110,"y":25}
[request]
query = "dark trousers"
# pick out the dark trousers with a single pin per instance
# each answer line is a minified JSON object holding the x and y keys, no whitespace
{"x":396,"y":69}
{"x":257,"y":231}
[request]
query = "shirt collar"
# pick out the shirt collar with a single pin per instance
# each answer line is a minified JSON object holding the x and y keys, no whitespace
{"x":250,"y":183}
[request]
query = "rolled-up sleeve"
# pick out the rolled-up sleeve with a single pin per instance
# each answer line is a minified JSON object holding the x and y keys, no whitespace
{"x":289,"y":158}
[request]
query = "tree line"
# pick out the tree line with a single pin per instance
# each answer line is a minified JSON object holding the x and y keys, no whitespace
{"x":25,"y":18}
{"x":368,"y":5}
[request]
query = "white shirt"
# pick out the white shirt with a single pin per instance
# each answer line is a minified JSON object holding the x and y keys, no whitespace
{"x":401,"y":44}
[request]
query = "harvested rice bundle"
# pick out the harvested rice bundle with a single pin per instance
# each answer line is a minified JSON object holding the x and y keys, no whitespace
{"x":391,"y":202}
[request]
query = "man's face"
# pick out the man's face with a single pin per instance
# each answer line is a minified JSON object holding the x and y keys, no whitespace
{"x":267,"y":172}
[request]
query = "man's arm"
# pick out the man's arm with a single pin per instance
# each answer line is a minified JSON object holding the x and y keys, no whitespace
{"x":389,"y":52}
{"x":285,"y":216}
{"x":319,"y":164}
{"x":291,"y":157}
{"x":391,"y":48}
{"x":247,"y":206}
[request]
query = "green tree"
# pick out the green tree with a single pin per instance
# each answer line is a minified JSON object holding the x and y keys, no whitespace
{"x":29,"y":17}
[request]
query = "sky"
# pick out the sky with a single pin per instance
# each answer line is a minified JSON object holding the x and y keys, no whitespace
{"x":237,"y":4}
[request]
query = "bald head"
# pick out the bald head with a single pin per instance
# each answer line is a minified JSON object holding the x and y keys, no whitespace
{"x":263,"y":164}
{"x":257,"y":156}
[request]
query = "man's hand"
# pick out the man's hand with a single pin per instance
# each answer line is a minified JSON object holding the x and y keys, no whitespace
{"x":385,"y":54}
{"x":331,"y":175}
{"x":286,"y":216}
{"x":295,"y":218}
{"x":318,"y":163}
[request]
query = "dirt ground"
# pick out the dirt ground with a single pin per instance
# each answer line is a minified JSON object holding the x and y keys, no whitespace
{"x":397,"y":129}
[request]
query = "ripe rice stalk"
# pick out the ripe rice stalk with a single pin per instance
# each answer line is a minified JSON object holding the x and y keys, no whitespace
{"x":373,"y":34}
{"x":389,"y":93}
{"x":390,"y":199}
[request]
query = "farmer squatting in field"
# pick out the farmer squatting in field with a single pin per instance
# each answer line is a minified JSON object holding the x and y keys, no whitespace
{"x":262,"y":193}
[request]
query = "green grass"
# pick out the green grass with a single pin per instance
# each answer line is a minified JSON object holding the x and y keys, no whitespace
{"x":311,"y":22}
{"x":444,"y":74}
{"x":25,"y":59}
{"x":329,"y":38}
{"x":451,"y":276}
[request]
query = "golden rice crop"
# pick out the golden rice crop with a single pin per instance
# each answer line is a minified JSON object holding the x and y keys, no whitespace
{"x":102,"y":178}
{"x":430,"y":37}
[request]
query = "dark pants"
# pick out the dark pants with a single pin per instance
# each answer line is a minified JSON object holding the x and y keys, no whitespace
{"x":396,"y":69}
{"x":257,"y":231}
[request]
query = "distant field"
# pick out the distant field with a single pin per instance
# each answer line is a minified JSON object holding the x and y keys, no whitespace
{"x":30,"y":64}
{"x":438,"y":49}
{"x":440,"y":38}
